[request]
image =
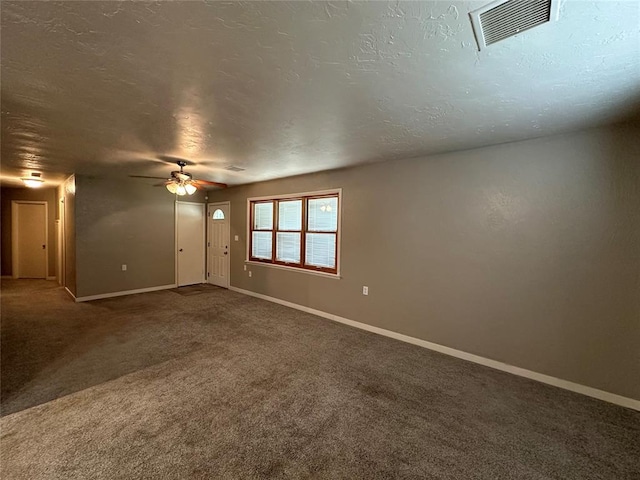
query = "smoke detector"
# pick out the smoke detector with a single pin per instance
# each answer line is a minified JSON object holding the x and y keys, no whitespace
{"x":503,"y":19}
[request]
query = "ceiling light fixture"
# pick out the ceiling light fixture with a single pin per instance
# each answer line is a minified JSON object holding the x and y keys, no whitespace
{"x":180,"y":190}
{"x":34,"y":181}
{"x":181,"y":182}
{"x":181,"y":187}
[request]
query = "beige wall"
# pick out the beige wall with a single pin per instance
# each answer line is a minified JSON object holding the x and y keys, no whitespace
{"x":527,"y":253}
{"x":67,"y":191}
{"x":7,"y":195}
{"x":124,"y":221}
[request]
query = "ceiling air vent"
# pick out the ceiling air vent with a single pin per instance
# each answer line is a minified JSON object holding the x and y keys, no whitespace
{"x":503,"y":19}
{"x":234,"y":168}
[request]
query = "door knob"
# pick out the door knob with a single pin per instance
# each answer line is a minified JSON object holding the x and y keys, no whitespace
{"x":180,"y":250}
{"x":226,"y":253}
{"x":43,"y":247}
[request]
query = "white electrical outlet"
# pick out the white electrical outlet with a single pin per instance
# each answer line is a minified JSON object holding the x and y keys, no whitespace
{"x":124,"y":267}
{"x":365,"y":290}
{"x":249,"y":272}
{"x":245,"y":268}
{"x":236,"y":238}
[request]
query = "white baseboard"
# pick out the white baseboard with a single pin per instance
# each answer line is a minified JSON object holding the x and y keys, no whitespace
{"x":487,"y":362}
{"x":70,"y":293}
{"x":52,"y":278}
{"x":124,"y":292}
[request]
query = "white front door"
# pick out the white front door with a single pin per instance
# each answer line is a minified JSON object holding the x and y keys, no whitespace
{"x":190,"y":243}
{"x":218,"y":244}
{"x":29,"y":239}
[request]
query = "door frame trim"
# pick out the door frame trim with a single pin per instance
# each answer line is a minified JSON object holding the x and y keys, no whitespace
{"x":62,"y":242}
{"x":209,"y":205}
{"x":175,"y":241}
{"x":15,"y":220}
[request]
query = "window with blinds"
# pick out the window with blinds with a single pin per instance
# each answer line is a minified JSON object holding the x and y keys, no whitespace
{"x":299,"y":232}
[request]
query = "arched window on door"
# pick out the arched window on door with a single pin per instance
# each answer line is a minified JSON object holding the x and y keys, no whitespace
{"x":218,"y":214}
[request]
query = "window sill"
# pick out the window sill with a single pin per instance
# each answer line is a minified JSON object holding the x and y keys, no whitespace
{"x":335,"y":276}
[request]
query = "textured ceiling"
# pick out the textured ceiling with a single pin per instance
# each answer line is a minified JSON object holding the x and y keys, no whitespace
{"x":283,"y":88}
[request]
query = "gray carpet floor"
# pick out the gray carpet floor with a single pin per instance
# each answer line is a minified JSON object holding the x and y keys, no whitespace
{"x":221,"y":385}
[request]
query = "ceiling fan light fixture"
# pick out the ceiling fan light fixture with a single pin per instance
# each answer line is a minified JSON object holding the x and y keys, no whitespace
{"x":34,"y":181}
{"x":190,"y":188}
{"x":182,"y":183}
{"x":181,"y":190}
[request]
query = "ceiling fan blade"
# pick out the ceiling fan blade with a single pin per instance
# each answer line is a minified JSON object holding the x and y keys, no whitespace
{"x":205,"y":183}
{"x":145,"y":176}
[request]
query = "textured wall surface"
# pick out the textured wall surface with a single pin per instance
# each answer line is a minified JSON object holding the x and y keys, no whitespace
{"x":527,"y":253}
{"x":47,"y":195}
{"x":284,"y":88}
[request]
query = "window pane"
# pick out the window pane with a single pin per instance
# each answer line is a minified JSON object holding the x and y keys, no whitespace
{"x":218,"y":214}
{"x":320,"y":249}
{"x":261,"y":245}
{"x":288,"y":247}
{"x":290,"y":215}
{"x":263,"y":216}
{"x":323,"y":214}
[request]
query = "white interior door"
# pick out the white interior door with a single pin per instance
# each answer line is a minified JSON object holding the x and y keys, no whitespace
{"x":218,"y":244}
{"x":29,"y":239}
{"x":190,"y":243}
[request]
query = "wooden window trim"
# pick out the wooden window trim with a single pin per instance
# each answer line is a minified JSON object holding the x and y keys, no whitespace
{"x":277,"y":231}
{"x":252,"y":229}
{"x":305,"y":198}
